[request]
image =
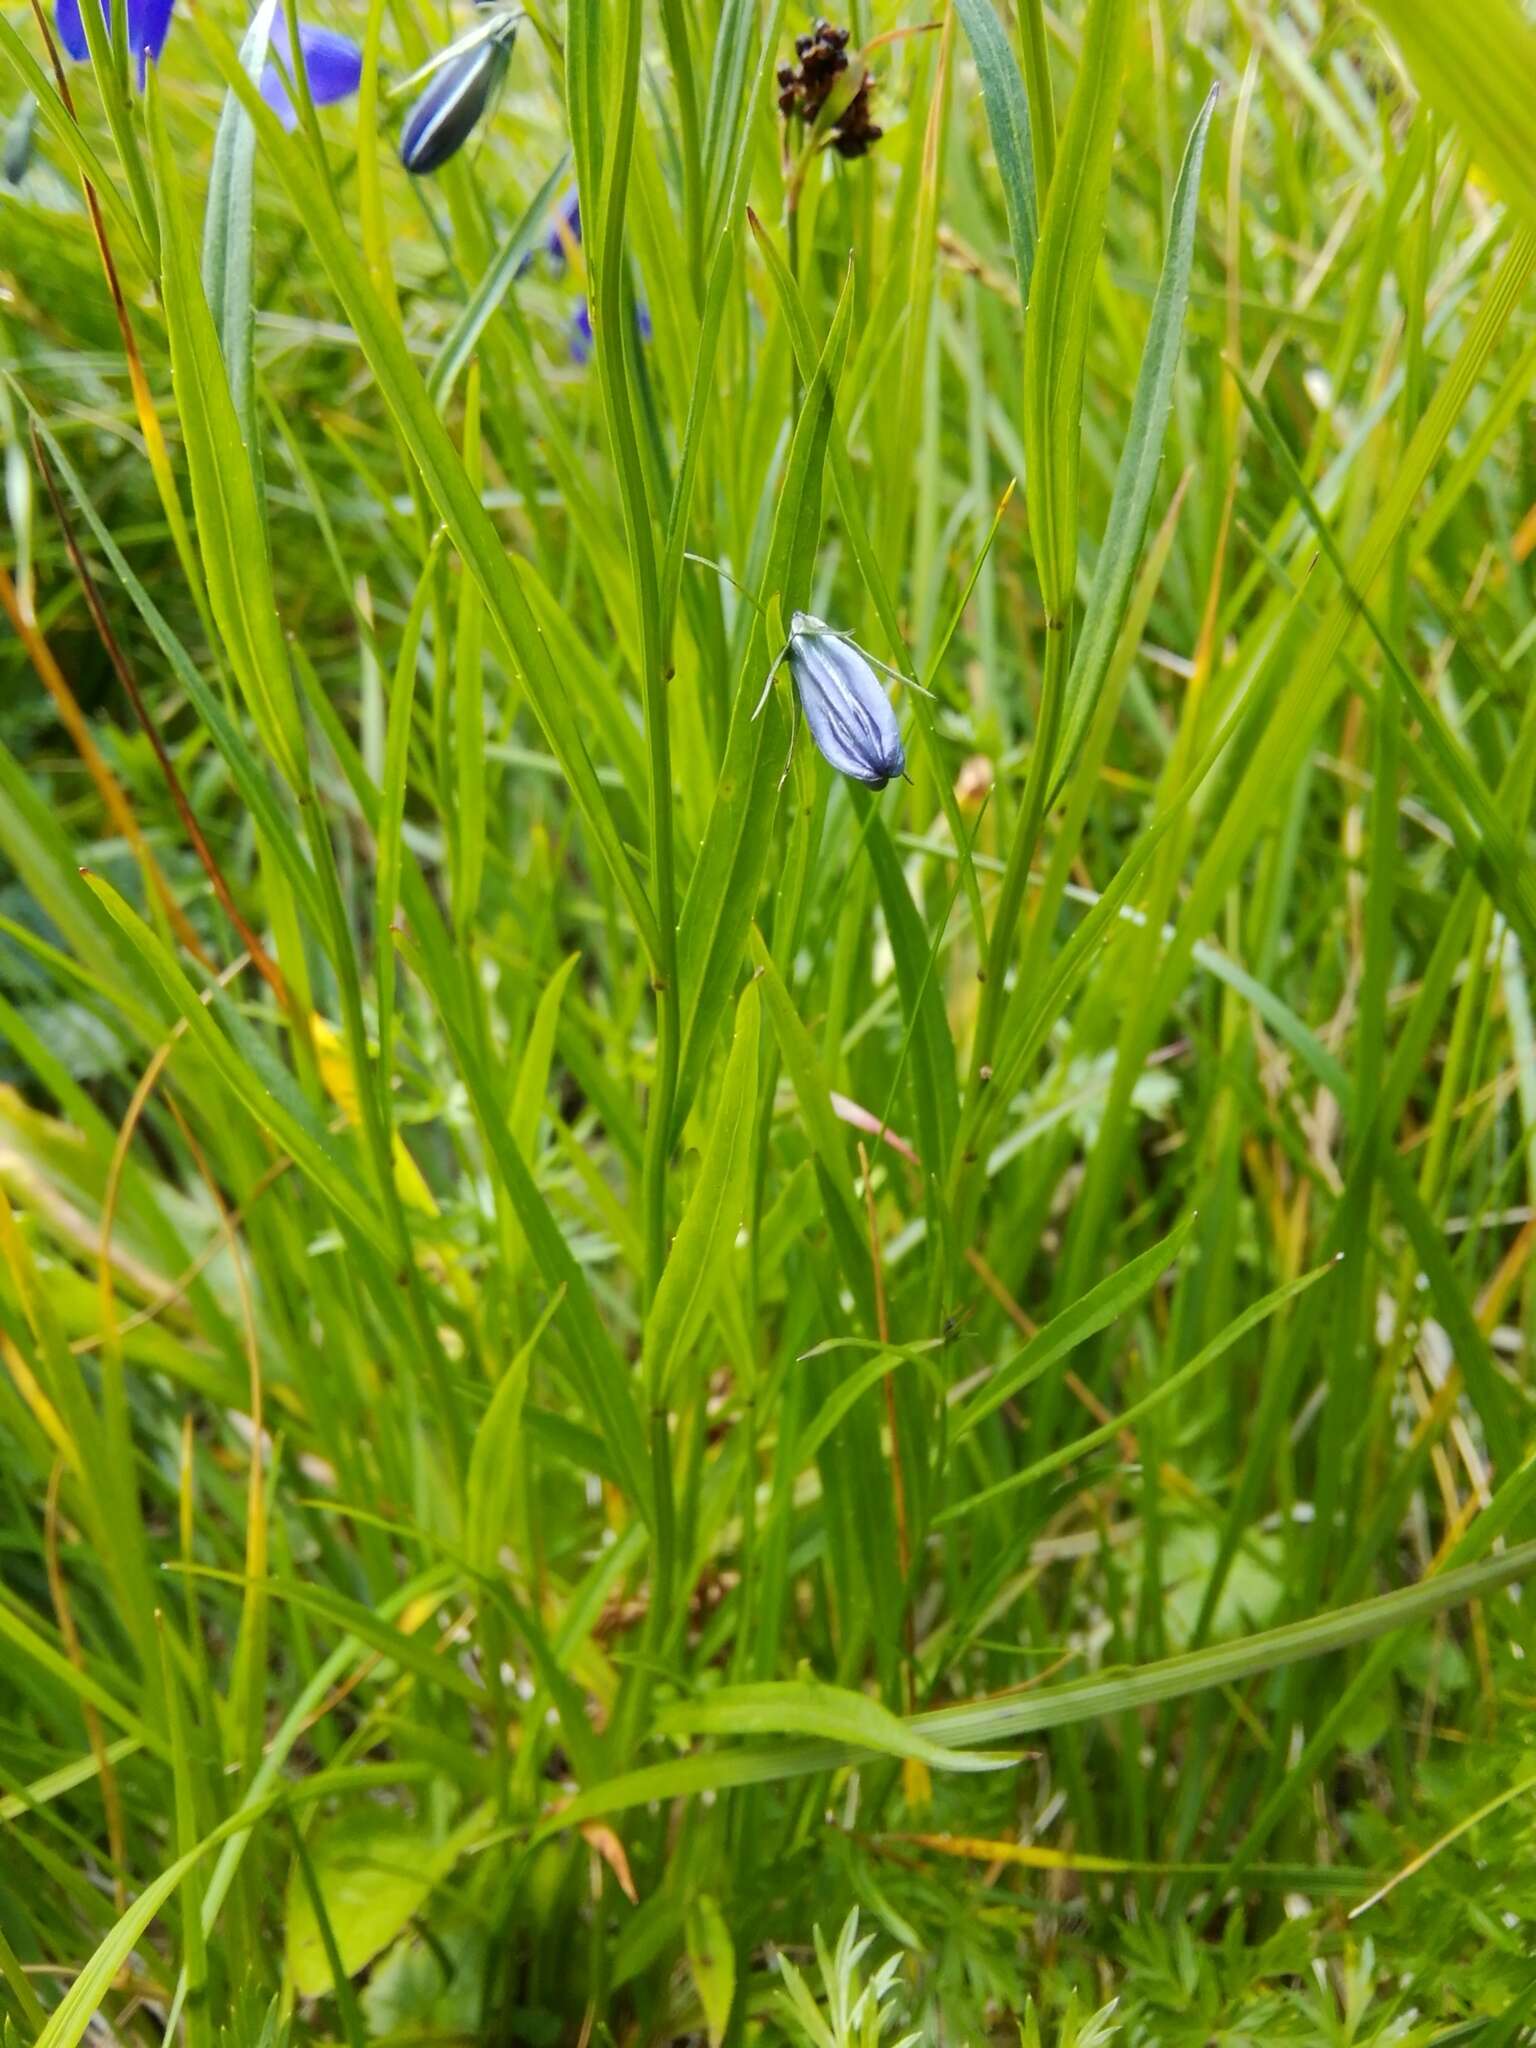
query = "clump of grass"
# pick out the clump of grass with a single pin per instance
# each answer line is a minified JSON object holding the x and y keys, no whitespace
{"x":616,"y":1346}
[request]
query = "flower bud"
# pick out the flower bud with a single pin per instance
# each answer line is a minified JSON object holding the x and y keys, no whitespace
{"x":845,"y":704}
{"x":444,"y":118}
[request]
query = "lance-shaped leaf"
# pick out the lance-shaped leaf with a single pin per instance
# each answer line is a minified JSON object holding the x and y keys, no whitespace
{"x":1110,"y":593}
{"x":1061,"y":302}
{"x":696,"y":1263}
{"x":829,"y":1713}
{"x":1003,"y":96}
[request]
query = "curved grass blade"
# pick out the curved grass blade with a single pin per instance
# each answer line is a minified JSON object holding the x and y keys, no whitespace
{"x":829,"y":1713}
{"x":72,"y":2017}
{"x":1061,"y":304}
{"x":1003,"y":96}
{"x":66,"y":131}
{"x":1087,"y":1699}
{"x":227,"y":226}
{"x":1084,"y":1446}
{"x":1124,"y":530}
{"x":458,"y":344}
{"x":1096,"y":1311}
{"x":1482,"y":72}
{"x":697,"y":1260}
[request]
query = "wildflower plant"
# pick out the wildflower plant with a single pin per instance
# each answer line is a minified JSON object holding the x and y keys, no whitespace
{"x":856,"y":2010}
{"x":845,"y":705}
{"x":618,"y":1330}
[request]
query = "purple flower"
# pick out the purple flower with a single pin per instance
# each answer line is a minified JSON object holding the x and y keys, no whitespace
{"x":149,"y":23}
{"x":844,"y":702}
{"x":567,"y":219}
{"x":333,"y":64}
{"x":567,"y":215}
{"x":581,"y":330}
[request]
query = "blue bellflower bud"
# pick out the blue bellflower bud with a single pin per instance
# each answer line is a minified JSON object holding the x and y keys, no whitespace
{"x":844,"y":702}
{"x":444,"y":118}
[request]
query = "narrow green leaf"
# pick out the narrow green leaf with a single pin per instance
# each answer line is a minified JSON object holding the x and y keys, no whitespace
{"x":232,"y":534}
{"x":711,"y":1964}
{"x":72,"y":2016}
{"x":251,"y":778}
{"x":1115,"y":571}
{"x":1061,"y":303}
{"x":462,"y":338}
{"x":474,"y":535}
{"x":391,"y":813}
{"x":1084,"y":1446}
{"x":829,"y":1713}
{"x":828,"y":1142}
{"x":842,"y":1398}
{"x":227,"y":227}
{"x":270,"y":1096}
{"x":697,"y":1261}
{"x":1482,"y":73}
{"x":1490,"y":846}
{"x":598,"y":1372}
{"x":469,"y":701}
{"x":71,"y":138}
{"x":935,"y":1086}
{"x":532,"y":1084}
{"x":1060,"y":1706}
{"x":1098,"y":1308}
{"x":1002,"y":93}
{"x":494,"y":1459}
{"x":195,"y":1957}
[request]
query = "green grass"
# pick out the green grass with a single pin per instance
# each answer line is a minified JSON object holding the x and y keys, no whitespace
{"x":617,"y":1354}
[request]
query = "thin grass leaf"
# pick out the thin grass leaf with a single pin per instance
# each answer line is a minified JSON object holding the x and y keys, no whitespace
{"x":228,"y":225}
{"x":1061,"y":302}
{"x":1115,"y":570}
{"x":1096,"y":1311}
{"x":697,"y":1261}
{"x":827,"y":1712}
{"x":1002,"y":92}
{"x":485,"y":302}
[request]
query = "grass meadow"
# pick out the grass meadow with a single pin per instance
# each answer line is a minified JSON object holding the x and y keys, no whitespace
{"x":651,"y":1391}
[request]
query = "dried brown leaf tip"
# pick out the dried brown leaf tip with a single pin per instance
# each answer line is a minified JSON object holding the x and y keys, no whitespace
{"x":826,"y":72}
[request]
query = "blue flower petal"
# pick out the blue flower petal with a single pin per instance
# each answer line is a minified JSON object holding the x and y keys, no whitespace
{"x":66,"y":19}
{"x":149,"y":23}
{"x":333,"y":64}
